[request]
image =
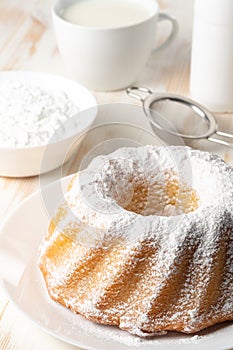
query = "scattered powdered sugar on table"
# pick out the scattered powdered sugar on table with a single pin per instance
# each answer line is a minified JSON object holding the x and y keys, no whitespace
{"x":31,"y":115}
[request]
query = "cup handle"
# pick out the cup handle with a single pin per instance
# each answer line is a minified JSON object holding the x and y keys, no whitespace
{"x":174,"y":31}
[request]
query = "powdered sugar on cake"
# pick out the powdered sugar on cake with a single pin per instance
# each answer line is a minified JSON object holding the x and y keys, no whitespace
{"x":142,"y":222}
{"x":106,"y":188}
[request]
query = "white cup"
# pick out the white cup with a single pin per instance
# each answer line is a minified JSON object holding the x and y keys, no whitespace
{"x":108,"y":58}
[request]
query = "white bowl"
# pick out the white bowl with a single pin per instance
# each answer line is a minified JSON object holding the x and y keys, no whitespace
{"x":27,"y":161}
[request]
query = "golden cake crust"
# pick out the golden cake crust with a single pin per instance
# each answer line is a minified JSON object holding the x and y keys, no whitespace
{"x":178,"y":278}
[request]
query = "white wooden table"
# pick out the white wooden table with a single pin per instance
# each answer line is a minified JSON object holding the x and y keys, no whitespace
{"x":27,"y":42}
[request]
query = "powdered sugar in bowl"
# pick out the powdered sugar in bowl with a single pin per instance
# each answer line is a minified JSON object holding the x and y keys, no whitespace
{"x":40,"y":112}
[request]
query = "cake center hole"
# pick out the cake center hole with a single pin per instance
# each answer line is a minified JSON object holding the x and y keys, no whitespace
{"x":125,"y":182}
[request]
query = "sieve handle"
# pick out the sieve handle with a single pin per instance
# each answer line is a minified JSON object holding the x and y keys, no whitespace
{"x":224,"y":134}
{"x":221,"y":141}
{"x":144,"y":91}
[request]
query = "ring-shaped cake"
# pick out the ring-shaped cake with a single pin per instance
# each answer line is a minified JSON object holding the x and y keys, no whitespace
{"x":144,"y":240}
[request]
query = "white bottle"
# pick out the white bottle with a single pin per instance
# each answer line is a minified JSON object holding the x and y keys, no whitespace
{"x":212,"y":54}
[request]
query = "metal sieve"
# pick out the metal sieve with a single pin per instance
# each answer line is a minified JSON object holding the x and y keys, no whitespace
{"x":178,"y":116}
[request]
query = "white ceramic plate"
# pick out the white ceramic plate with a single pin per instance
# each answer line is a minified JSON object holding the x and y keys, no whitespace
{"x":20,"y":162}
{"x":21,"y":279}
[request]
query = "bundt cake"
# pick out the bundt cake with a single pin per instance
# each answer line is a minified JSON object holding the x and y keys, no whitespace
{"x":144,"y":240}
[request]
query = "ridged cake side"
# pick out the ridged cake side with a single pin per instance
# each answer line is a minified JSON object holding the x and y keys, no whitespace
{"x":148,"y":287}
{"x":176,"y":276}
